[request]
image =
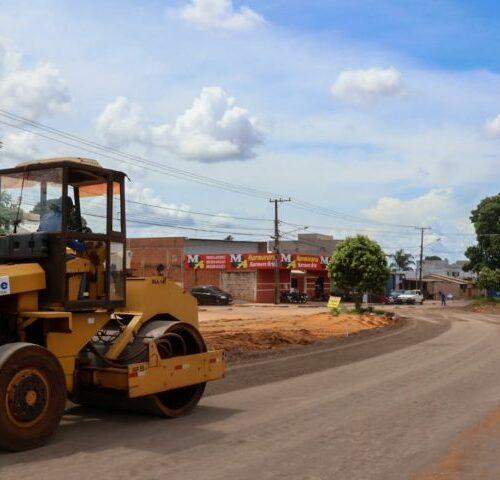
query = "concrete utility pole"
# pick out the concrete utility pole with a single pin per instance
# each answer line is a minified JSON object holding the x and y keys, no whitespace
{"x":421,"y":254}
{"x":277,"y":248}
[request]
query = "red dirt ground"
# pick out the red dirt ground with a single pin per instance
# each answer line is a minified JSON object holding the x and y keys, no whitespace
{"x":261,"y":332}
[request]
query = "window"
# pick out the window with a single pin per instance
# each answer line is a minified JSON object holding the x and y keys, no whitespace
{"x":117,"y":207}
{"x":116,"y":274}
{"x":93,"y":206}
{"x":31,"y":201}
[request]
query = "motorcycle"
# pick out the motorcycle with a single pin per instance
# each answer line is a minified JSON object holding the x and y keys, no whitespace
{"x":292,"y":296}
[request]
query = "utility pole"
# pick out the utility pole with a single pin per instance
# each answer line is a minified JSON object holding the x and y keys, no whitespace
{"x":421,"y":254}
{"x":276,"y":248}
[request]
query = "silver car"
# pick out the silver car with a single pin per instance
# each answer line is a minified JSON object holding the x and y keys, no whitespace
{"x":411,"y":297}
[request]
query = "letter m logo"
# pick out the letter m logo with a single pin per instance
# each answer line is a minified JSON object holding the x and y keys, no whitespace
{"x":286,"y":258}
{"x":193,"y":260}
{"x":236,"y":258}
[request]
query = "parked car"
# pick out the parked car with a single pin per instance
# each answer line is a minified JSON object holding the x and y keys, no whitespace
{"x":391,"y":299}
{"x":377,"y":298}
{"x":211,"y":295}
{"x":411,"y":297}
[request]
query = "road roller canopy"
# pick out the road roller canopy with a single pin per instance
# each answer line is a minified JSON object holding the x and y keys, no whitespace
{"x":76,"y":207}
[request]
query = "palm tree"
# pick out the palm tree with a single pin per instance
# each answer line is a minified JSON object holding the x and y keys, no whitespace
{"x":402,"y":261}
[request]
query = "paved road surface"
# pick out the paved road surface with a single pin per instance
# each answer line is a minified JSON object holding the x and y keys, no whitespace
{"x":419,"y":402}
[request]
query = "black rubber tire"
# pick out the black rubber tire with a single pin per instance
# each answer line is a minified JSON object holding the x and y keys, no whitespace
{"x":18,"y":433}
{"x":171,"y":403}
{"x":181,"y":401}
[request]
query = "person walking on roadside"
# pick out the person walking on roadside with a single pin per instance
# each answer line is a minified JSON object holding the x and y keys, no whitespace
{"x":443,"y":298}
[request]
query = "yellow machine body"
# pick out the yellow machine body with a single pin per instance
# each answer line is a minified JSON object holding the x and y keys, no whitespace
{"x":67,"y":333}
{"x":71,"y":322}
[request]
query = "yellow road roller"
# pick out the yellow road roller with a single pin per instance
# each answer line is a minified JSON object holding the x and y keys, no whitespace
{"x":73,"y":324}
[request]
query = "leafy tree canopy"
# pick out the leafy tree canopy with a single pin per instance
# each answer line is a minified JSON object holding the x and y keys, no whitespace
{"x":402,"y":261}
{"x":489,"y":278}
{"x":8,"y":213}
{"x":431,"y":258}
{"x":358,"y":264}
{"x":486,"y":221}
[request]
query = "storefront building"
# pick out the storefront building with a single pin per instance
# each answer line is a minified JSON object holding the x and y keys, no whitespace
{"x":244,"y":269}
{"x":250,"y":276}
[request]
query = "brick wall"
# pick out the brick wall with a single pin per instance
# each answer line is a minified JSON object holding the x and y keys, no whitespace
{"x":459,"y":292}
{"x":311,"y":284}
{"x":202,"y":277}
{"x":265,"y":285}
{"x":147,"y":253}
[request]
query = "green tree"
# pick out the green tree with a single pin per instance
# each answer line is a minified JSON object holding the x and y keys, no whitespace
{"x":484,"y":258}
{"x":489,"y":278}
{"x":402,"y":261}
{"x":486,"y":221}
{"x":8,"y":213}
{"x":431,"y":258}
{"x":358,"y":265}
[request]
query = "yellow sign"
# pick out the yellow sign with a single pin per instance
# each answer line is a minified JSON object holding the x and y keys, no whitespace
{"x":333,"y":302}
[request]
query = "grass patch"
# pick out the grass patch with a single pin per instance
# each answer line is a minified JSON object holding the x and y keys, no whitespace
{"x":335,"y":312}
{"x":486,"y":301}
{"x":370,"y":309}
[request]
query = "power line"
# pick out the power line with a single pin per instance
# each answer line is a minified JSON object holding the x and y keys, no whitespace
{"x":127,"y":158}
{"x":157,"y":167}
{"x":191,"y":212}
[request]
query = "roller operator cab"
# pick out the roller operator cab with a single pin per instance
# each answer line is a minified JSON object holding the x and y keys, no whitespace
{"x":71,"y":322}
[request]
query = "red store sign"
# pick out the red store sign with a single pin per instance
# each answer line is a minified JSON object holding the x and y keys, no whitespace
{"x":254,"y":261}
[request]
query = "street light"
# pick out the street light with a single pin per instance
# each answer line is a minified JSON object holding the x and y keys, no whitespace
{"x":422,"y":260}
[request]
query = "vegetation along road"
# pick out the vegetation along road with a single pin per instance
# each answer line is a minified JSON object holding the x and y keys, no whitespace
{"x":419,"y":400}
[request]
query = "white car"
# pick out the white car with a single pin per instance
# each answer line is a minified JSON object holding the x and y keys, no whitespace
{"x":411,"y":297}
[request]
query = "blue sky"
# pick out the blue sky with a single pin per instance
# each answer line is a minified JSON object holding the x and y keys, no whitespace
{"x":385,"y":113}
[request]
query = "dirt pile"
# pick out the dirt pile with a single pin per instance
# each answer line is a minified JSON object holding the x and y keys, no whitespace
{"x":487,"y":307}
{"x":253,"y":334}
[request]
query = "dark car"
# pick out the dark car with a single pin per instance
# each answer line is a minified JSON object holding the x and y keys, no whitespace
{"x":392,"y":298}
{"x":211,"y":295}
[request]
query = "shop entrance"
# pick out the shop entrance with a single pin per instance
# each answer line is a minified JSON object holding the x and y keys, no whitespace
{"x":297,"y":281}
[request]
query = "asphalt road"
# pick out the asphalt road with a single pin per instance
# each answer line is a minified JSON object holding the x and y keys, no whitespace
{"x":419,"y":401}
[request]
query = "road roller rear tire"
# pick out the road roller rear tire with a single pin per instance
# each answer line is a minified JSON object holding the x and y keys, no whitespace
{"x":181,"y":401}
{"x":171,"y":403}
{"x":174,"y":403}
{"x":32,"y":395}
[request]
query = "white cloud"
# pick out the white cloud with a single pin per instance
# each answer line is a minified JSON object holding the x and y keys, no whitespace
{"x":363,"y":85}
{"x":492,"y":126}
{"x":213,"y":129}
{"x":10,"y":57}
{"x":439,"y":209}
{"x":220,"y":14}
{"x":120,"y":123}
{"x":148,"y":202}
{"x":146,"y":212}
{"x":32,"y":92}
{"x":18,"y":147}
{"x":424,"y":210}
